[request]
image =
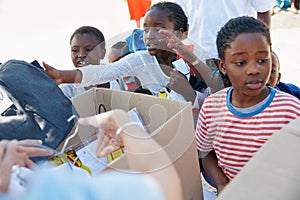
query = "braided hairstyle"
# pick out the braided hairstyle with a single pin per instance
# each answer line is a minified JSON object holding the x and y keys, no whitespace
{"x":91,"y":31}
{"x":232,"y":29}
{"x":177,"y":15}
{"x":237,"y":26}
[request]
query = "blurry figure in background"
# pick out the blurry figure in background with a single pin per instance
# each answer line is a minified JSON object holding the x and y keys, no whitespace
{"x":118,"y":51}
{"x":137,"y":9}
{"x":281,"y":4}
{"x":275,"y":76}
{"x":87,"y":48}
{"x":289,"y":5}
{"x":294,"y":8}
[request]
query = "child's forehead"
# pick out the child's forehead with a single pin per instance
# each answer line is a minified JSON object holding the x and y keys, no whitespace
{"x":163,"y":14}
{"x":249,"y":39}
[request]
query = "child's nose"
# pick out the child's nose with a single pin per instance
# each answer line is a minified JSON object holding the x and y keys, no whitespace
{"x":253,"y":68}
{"x":82,"y":53}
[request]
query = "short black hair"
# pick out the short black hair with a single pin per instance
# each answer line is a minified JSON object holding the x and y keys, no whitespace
{"x":123,"y":46}
{"x":91,"y":31}
{"x":237,"y":26}
{"x":177,"y":14}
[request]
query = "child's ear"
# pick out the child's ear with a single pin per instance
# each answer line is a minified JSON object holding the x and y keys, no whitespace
{"x":221,"y":66}
{"x":278,"y":78}
{"x":181,"y":34}
{"x":103,"y":52}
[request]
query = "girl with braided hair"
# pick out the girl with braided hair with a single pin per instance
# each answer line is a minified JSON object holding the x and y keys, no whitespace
{"x":236,"y":121}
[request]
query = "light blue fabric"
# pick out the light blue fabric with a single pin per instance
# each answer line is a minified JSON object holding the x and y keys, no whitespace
{"x":283,"y":4}
{"x":136,"y":41}
{"x":109,"y":185}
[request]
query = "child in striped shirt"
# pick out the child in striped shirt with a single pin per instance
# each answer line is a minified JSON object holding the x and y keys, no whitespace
{"x":236,"y":121}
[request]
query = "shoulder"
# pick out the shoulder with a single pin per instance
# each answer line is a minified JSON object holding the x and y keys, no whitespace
{"x":217,"y":98}
{"x":286,"y":101}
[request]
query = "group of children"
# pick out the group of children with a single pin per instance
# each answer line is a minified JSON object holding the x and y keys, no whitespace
{"x":234,"y":122}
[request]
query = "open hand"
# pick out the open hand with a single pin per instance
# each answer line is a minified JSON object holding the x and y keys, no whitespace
{"x":53,"y":73}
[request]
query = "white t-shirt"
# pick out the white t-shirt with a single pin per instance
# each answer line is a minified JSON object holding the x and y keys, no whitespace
{"x":139,"y":64}
{"x":71,"y":91}
{"x":205,"y":18}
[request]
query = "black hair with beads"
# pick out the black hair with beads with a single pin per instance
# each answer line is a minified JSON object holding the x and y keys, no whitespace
{"x":177,"y":15}
{"x":91,"y":31}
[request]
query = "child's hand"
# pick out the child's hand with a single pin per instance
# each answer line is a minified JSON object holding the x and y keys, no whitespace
{"x":53,"y":73}
{"x":180,"y":84}
{"x":174,"y":43}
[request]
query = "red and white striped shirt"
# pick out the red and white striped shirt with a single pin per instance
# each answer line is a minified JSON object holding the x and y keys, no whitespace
{"x":236,"y":136}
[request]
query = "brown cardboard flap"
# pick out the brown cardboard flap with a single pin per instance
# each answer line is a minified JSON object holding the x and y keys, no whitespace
{"x":273,"y":173}
{"x":169,"y":122}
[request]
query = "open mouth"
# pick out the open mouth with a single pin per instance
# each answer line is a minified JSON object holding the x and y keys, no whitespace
{"x":82,"y":63}
{"x":254,"y":84}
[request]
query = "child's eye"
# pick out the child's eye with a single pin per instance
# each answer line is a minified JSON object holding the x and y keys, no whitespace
{"x":90,"y":49}
{"x":146,"y":30}
{"x":263,"y":60}
{"x":240,"y":63}
{"x":74,"y":50}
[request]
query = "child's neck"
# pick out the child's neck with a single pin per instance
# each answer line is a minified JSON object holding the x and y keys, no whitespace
{"x":166,"y":58}
{"x":244,"y":102}
{"x":165,"y":62}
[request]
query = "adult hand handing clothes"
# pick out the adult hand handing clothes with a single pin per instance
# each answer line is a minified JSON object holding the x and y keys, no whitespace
{"x":140,"y":149}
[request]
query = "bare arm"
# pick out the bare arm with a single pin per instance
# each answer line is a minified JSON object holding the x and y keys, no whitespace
{"x":210,"y":165}
{"x":201,"y":69}
{"x":63,"y":76}
{"x":181,"y":85}
{"x":141,"y":150}
{"x":265,"y":17}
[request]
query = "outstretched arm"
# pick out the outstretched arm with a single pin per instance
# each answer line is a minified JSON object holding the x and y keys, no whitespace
{"x":63,"y":76}
{"x":201,"y":69}
{"x":141,"y":150}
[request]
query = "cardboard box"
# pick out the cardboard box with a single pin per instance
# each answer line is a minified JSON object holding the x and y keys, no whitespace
{"x":273,"y":173}
{"x":169,"y":122}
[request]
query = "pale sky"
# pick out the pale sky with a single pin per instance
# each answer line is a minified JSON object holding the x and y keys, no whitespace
{"x":39,"y":29}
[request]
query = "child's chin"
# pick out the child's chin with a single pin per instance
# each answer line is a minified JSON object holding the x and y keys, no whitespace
{"x":152,"y":52}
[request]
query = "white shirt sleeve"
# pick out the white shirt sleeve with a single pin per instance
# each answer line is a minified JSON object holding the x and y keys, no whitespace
{"x":263,"y":6}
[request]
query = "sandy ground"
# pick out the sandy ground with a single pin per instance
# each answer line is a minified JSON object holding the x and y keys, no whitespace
{"x":285,"y":33}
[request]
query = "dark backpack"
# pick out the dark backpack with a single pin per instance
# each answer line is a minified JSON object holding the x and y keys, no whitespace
{"x":37,"y":108}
